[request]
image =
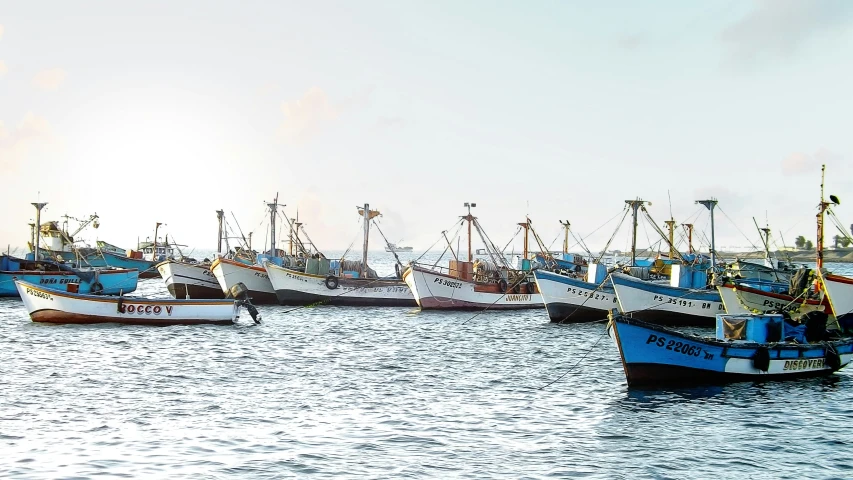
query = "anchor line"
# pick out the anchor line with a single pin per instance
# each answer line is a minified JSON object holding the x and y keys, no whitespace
{"x":585,"y":300}
{"x":576,"y":363}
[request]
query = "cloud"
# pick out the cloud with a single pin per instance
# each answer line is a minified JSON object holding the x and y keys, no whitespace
{"x":779,"y":27}
{"x":799,"y":163}
{"x":50,"y":79}
{"x":3,"y":68}
{"x":306,"y":117}
{"x":16,"y":144}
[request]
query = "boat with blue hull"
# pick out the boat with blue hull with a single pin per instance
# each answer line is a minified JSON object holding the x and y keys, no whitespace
{"x":746,"y":348}
{"x":146,"y":268}
{"x":60,"y":277}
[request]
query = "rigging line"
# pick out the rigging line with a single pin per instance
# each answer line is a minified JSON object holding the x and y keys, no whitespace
{"x":245,"y":242}
{"x":606,"y":246}
{"x":522,"y":278}
{"x":576,"y":363}
{"x":455,"y":222}
{"x":511,"y":239}
{"x":738,"y":228}
{"x":550,"y":245}
{"x":490,"y":246}
{"x":581,"y":243}
{"x":662,"y":234}
{"x":387,"y":243}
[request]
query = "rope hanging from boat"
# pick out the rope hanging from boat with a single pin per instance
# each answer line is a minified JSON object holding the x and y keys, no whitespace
{"x":455,"y":222}
{"x":387,"y":243}
{"x":490,"y":247}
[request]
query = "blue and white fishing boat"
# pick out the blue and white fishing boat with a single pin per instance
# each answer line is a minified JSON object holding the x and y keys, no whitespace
{"x":574,"y":300}
{"x":56,"y":276}
{"x":664,"y":304}
{"x":747,"y":347}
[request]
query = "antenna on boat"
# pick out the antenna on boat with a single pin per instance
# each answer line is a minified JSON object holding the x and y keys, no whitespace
{"x":470,"y":219}
{"x":824,"y":205}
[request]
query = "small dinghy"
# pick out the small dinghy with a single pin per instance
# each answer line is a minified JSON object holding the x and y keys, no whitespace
{"x":55,"y":306}
{"x":747,"y":347}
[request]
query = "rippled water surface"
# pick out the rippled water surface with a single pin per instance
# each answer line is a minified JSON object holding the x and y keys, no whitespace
{"x":387,"y":393}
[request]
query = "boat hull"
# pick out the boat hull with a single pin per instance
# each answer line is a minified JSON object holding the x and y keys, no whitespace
{"x":106,"y":282}
{"x":184,"y":280}
{"x":229,"y":273}
{"x":297,"y":288}
{"x":434,"y":290}
{"x":51,"y":306}
{"x":147,"y":269}
{"x":571,"y":300}
{"x":840,"y":292}
{"x":743,"y":299}
{"x":666,"y":305}
{"x":655,"y":356}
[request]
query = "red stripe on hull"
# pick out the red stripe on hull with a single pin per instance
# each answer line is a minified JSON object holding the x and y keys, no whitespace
{"x":56,"y":316}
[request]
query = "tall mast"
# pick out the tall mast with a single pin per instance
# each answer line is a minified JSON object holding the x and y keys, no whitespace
{"x":526,"y":227}
{"x":220,"y":215}
{"x":156,"y":227}
{"x":670,"y":224}
{"x":689,"y":227}
{"x":470,"y":219}
{"x":823,"y":206}
{"x":635,"y":205}
{"x":366,"y":234}
{"x":565,"y":225}
{"x":710,"y":204}
{"x":38,"y":206}
{"x":273,"y":210}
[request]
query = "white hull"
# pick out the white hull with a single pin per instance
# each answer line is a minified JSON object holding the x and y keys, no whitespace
{"x":436,"y":291}
{"x":737,"y":299}
{"x":51,"y":306}
{"x":229,"y":273}
{"x":570,"y":300}
{"x":297,"y":288}
{"x":184,"y":280}
{"x":840,"y":292}
{"x":663,"y":304}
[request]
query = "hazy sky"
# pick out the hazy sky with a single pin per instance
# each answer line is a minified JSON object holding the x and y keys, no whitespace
{"x":166,"y":111}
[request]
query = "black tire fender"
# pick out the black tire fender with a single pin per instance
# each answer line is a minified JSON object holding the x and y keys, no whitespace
{"x":96,"y":288}
{"x":331,"y":282}
{"x":502,"y":285}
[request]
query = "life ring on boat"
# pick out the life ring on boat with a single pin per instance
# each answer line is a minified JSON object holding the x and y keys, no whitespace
{"x":502,"y":285}
{"x":833,"y":359}
{"x":96,"y":288}
{"x":331,"y":282}
{"x":761,"y":359}
{"x":397,"y":270}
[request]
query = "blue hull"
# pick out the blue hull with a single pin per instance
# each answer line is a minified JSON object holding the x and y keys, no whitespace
{"x":147,"y":268}
{"x":654,"y":356}
{"x":112,"y":283}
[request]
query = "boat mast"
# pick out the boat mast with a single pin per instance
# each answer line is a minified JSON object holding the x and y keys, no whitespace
{"x":273,"y":210}
{"x":566,"y":226}
{"x":526,"y":227}
{"x":38,"y":206}
{"x":710,"y":204}
{"x":670,"y":225}
{"x":366,"y":234}
{"x":823,"y":206}
{"x":689,"y":227}
{"x":220,"y":215}
{"x":470,"y":219}
{"x":635,"y":205}
{"x":154,"y":255}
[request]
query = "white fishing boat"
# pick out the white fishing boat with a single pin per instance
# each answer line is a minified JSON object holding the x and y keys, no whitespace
{"x":474,"y":285}
{"x":840,"y":292}
{"x":347,"y":283}
{"x":745,"y":298}
{"x":53,"y":306}
{"x":188,"y":280}
{"x":231,"y":272}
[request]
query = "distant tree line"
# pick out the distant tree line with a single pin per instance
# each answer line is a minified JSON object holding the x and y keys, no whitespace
{"x":839,"y":242}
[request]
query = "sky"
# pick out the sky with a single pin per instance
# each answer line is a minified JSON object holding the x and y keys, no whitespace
{"x":160,"y":111}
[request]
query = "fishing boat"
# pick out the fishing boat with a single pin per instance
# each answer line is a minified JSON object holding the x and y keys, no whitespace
{"x":747,"y":347}
{"x":485,"y":284}
{"x":58,"y":276}
{"x":687,"y":300}
{"x":839,"y":291}
{"x":229,"y":272}
{"x":52,"y":241}
{"x":186,"y":279}
{"x":342,"y":282}
{"x":52,"y":306}
{"x":393,"y":247}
